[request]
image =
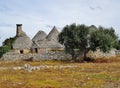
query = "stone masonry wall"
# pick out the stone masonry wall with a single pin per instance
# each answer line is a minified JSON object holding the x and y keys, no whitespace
{"x":100,"y":54}
{"x":53,"y":55}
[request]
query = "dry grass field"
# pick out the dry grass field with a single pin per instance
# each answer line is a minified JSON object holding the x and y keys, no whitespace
{"x":100,"y":74}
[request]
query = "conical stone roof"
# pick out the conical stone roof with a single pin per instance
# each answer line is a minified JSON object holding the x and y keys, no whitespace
{"x":50,"y":41}
{"x":39,"y":36}
{"x":22,"y":42}
{"x":49,"y":44}
{"x":53,"y":35}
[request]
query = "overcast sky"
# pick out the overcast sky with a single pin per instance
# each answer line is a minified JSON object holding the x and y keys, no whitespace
{"x":38,"y":15}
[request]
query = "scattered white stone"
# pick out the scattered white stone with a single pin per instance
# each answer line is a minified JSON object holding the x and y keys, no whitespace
{"x":29,"y":68}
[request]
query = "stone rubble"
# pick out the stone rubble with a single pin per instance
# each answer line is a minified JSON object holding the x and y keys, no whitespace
{"x":29,"y":68}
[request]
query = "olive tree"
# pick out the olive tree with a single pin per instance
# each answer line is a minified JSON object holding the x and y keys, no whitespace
{"x":80,"y":38}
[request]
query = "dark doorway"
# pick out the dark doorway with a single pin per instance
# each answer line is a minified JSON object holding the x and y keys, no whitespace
{"x":21,"y":52}
{"x":36,"y":50}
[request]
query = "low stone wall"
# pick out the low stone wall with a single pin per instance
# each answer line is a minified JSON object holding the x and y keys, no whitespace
{"x":117,"y":52}
{"x":53,"y":55}
{"x":100,"y":54}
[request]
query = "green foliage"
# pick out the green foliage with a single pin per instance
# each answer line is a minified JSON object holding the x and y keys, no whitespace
{"x":67,"y":37}
{"x":118,"y":45}
{"x":109,"y":31}
{"x":80,"y":38}
{"x":7,"y":45}
{"x":75,"y":38}
{"x":9,"y":41}
{"x":102,"y":40}
{"x":4,"y":49}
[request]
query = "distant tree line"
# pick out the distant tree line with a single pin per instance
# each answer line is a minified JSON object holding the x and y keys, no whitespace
{"x":77,"y":38}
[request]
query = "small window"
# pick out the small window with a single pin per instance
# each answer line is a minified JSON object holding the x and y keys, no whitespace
{"x":36,"y":50}
{"x":21,"y":52}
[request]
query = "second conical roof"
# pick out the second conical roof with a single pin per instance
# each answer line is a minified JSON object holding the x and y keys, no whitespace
{"x":53,"y":34}
{"x":39,"y":36}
